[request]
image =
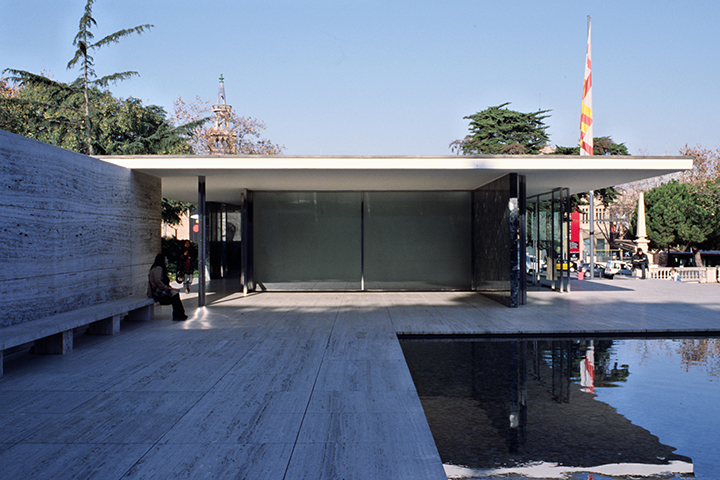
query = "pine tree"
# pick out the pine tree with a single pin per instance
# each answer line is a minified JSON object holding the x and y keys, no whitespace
{"x":498,"y":130}
{"x":84,"y":41}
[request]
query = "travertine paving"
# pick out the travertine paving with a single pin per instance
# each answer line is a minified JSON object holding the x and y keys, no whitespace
{"x":284,"y":385}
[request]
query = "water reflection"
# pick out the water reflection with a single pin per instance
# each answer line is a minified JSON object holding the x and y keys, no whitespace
{"x":496,"y":407}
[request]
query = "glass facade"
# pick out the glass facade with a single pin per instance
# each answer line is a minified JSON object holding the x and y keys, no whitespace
{"x":417,"y":240}
{"x":478,"y":240}
{"x":223,"y":239}
{"x":362,"y":240}
{"x":307,"y":240}
{"x":548,"y":240}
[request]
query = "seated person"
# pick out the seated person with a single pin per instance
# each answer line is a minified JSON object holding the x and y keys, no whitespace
{"x":674,"y":275}
{"x":159,"y":288}
{"x":640,"y":261}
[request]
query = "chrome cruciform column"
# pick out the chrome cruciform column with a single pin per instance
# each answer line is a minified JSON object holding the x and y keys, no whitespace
{"x":202,"y":247}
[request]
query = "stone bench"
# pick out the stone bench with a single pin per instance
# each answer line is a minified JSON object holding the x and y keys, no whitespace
{"x":54,"y":334}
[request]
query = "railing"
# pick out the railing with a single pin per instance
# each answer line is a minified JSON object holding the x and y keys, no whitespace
{"x":687,"y":274}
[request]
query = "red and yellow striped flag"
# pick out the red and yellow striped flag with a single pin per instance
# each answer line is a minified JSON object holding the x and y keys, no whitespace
{"x":586,"y":117}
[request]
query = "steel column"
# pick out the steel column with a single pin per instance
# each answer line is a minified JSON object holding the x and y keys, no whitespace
{"x":202,"y":246}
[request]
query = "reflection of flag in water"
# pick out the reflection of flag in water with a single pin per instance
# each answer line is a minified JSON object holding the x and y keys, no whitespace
{"x":586,"y":116}
{"x":587,"y":370}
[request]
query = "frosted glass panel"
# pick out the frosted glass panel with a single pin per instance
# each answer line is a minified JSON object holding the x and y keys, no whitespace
{"x":417,"y":240}
{"x":307,"y":240}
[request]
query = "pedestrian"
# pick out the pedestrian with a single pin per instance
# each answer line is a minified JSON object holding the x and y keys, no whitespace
{"x":186,"y":267}
{"x":674,"y":276}
{"x":159,"y":288}
{"x":640,"y":261}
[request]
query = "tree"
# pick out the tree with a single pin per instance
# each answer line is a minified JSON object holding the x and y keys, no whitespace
{"x":683,"y":216}
{"x":52,"y":112}
{"x":247,"y":132}
{"x":498,"y":130}
{"x":172,"y":212}
{"x":601,"y":146}
{"x":7,"y":89}
{"x":88,"y":78}
{"x":706,"y":164}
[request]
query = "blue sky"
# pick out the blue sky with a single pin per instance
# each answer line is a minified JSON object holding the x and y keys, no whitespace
{"x":384,"y":77}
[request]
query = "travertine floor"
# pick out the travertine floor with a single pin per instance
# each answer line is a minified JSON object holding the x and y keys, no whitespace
{"x":283,"y":385}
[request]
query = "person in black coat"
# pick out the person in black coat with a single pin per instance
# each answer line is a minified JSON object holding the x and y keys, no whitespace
{"x":640,"y":261}
{"x":159,"y":287}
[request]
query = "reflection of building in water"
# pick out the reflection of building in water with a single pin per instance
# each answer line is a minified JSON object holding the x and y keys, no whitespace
{"x":494,"y":403}
{"x":587,"y":369}
{"x":559,"y":357}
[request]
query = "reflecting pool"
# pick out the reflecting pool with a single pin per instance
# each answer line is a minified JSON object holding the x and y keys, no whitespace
{"x":590,"y":409}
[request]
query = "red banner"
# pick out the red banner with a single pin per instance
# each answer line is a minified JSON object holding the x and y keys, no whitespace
{"x":574,"y":246}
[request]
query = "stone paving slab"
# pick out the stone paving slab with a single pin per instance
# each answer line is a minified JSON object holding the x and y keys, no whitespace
{"x":86,"y":461}
{"x":284,"y":385}
{"x":212,"y":461}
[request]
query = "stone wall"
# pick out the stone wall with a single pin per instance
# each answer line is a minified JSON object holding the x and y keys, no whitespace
{"x":76,"y":231}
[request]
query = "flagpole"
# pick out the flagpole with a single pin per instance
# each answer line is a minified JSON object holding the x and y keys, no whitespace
{"x":586,"y":113}
{"x":586,"y":140}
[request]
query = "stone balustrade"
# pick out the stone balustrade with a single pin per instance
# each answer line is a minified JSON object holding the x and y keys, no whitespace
{"x":687,"y":274}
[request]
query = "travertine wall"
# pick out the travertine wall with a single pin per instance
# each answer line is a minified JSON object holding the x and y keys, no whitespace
{"x":75,"y":231}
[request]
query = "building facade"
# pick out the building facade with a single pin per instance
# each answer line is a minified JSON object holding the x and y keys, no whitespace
{"x":388,"y":223}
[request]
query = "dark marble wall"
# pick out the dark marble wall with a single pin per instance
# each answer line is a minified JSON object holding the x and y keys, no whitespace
{"x":76,"y":231}
{"x":497,"y":240}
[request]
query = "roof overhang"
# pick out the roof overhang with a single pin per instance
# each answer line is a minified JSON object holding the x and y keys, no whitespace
{"x":227,"y":176}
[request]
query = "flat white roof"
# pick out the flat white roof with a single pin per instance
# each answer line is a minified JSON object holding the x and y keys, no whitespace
{"x":226,"y":176}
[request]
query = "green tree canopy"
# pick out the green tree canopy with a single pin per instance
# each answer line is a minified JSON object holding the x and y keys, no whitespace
{"x":52,"y":112}
{"x":85,"y":43}
{"x":601,"y":146}
{"x":52,"y":108}
{"x":498,"y":130}
{"x":682,"y":216}
{"x":172,"y":212}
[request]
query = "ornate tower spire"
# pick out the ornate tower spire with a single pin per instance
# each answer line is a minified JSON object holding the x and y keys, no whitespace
{"x":222,"y":138}
{"x":221,"y":91}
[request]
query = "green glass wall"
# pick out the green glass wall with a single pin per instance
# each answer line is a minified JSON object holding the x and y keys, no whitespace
{"x":307,"y":240}
{"x":417,"y":240}
{"x":362,"y":240}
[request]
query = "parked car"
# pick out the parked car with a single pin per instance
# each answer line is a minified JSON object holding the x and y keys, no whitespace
{"x":599,"y":269}
{"x":530,"y":264}
{"x":617,"y":267}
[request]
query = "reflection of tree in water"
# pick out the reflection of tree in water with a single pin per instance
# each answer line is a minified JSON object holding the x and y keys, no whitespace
{"x":647,"y":349}
{"x":702,"y":353}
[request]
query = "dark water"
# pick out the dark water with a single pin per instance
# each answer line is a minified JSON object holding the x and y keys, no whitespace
{"x":590,"y":409}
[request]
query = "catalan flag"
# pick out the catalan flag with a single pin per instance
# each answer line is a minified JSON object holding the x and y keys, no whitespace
{"x":586,"y":117}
